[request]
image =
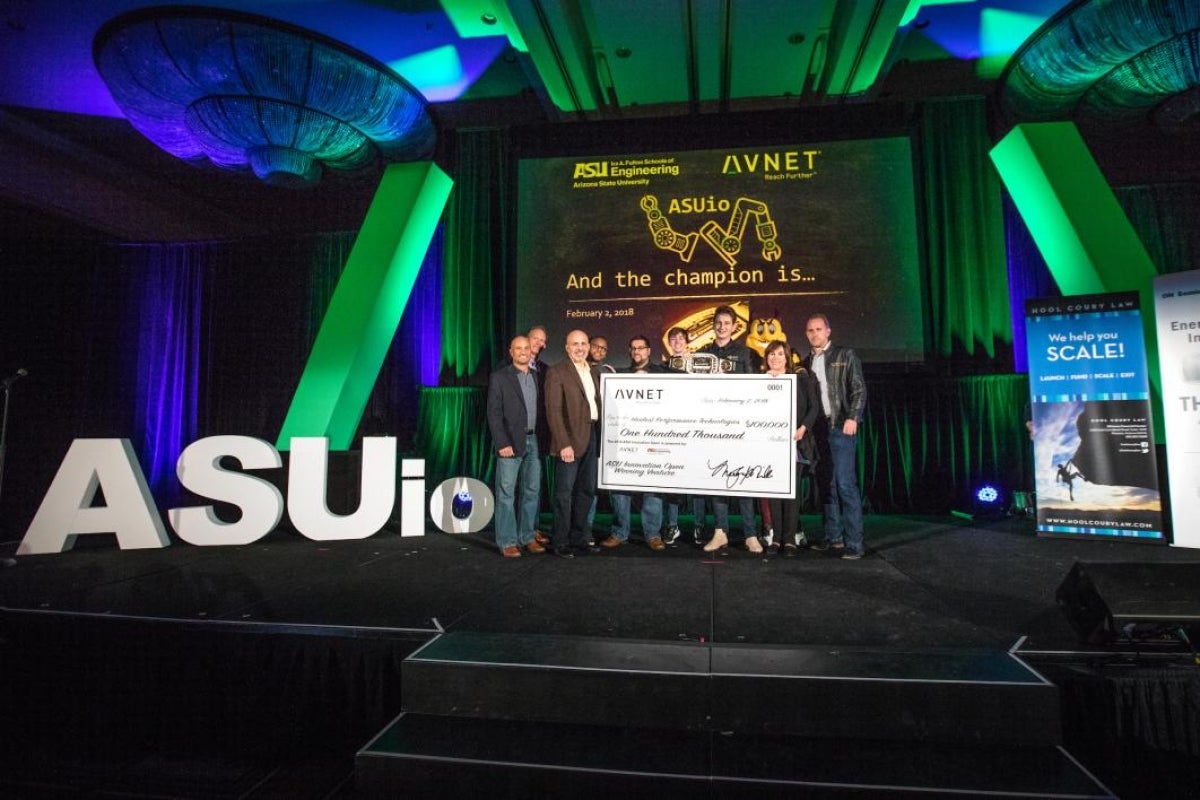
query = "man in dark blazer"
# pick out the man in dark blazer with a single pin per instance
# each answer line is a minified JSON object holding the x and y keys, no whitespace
{"x":513,"y":402}
{"x":573,"y":416}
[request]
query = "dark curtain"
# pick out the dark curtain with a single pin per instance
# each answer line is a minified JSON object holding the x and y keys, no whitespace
{"x":964,"y":235}
{"x":167,"y":343}
{"x":1164,"y":217}
{"x":927,"y":443}
{"x":475,"y":287}
{"x":1138,"y":726}
{"x":169,"y":283}
{"x":1028,"y":277}
{"x":452,"y":434}
{"x":64,"y":318}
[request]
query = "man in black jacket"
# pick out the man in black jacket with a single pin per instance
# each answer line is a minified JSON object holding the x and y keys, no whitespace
{"x":843,"y":392}
{"x":735,"y":358}
{"x":513,"y":404}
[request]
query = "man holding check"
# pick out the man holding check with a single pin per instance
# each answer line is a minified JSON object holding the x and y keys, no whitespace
{"x":573,"y":414}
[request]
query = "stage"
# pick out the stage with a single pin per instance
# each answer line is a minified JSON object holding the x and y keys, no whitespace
{"x":134,"y":672}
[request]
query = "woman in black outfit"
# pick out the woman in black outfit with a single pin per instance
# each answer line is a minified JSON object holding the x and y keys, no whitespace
{"x":785,"y":512}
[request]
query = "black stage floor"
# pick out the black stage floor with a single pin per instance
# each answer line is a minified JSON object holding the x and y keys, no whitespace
{"x":926,"y":582}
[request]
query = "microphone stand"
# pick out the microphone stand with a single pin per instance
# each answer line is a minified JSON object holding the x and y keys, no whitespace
{"x":8,"y":562}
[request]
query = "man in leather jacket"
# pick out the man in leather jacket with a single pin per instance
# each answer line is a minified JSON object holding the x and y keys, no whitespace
{"x":843,"y":392}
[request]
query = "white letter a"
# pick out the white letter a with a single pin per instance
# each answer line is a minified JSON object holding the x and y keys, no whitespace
{"x":66,"y":509}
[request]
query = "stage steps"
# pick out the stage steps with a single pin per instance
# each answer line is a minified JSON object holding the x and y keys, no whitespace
{"x":530,"y":715}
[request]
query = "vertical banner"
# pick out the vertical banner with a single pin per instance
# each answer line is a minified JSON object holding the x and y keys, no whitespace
{"x":1177,"y":310}
{"x":1094,"y":463}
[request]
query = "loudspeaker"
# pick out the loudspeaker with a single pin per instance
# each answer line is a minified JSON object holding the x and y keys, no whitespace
{"x":1134,"y":601}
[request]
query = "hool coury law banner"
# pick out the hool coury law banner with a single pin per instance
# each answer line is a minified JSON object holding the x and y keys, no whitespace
{"x":1093,"y":452}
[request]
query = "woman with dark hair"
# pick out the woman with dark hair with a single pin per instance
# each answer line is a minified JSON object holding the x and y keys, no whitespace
{"x":785,"y":512}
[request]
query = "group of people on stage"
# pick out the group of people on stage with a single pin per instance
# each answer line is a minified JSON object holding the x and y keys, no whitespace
{"x":535,"y":409}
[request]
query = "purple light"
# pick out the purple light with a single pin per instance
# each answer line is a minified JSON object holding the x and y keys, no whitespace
{"x":168,"y":357}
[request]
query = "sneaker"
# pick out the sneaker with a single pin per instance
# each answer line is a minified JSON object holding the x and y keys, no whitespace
{"x":790,"y":550}
{"x":835,"y":547}
{"x":698,"y":536}
{"x":850,"y":555}
{"x":800,"y":540}
{"x":671,"y":534}
{"x":768,"y":538}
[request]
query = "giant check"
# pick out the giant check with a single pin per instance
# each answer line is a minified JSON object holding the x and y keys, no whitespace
{"x":699,"y":434}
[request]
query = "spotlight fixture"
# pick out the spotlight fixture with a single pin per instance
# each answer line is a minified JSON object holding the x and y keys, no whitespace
{"x":240,"y":90}
{"x":988,"y":502}
{"x":987,"y":494}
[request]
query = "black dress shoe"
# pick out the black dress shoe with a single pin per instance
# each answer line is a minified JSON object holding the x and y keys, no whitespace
{"x":586,"y":550}
{"x":564,"y":552}
{"x":789,"y":550}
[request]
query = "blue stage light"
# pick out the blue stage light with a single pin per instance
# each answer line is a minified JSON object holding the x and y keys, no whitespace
{"x":987,"y":494}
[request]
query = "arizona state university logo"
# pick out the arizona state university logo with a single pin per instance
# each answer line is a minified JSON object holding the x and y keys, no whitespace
{"x":591,"y":169}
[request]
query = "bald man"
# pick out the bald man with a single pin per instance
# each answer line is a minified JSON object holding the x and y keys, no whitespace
{"x":513,"y":400}
{"x":573,"y":415}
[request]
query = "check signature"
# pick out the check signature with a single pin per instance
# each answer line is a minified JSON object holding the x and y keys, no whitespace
{"x":736,"y":476}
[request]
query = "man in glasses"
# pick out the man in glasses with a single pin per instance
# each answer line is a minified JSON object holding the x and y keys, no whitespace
{"x":652,"y":504}
{"x":737,"y":359}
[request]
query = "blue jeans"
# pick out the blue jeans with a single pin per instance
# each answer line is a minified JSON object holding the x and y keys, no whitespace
{"x":720,"y":507}
{"x":652,"y":515}
{"x":838,"y":477}
{"x":673,"y":504}
{"x":515,"y":523}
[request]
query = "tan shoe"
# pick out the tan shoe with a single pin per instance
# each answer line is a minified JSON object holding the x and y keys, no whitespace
{"x":611,"y":541}
{"x":753,"y":545}
{"x":512,"y":551}
{"x":541,"y":538}
{"x":534,"y":547}
{"x":657,"y":545}
{"x":719,"y":541}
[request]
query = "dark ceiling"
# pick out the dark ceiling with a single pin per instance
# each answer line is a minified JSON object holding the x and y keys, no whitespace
{"x":70,"y":163}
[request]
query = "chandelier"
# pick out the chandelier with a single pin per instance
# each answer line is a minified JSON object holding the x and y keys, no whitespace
{"x":1110,"y":60}
{"x":243,"y":91}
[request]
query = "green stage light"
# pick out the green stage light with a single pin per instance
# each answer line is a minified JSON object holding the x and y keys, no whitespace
{"x":437,"y":68}
{"x":1070,"y":210}
{"x":1001,"y":32}
{"x":367,"y":304}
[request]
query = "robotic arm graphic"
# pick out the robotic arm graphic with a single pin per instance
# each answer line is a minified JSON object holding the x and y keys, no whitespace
{"x":725,"y":242}
{"x":665,"y":238}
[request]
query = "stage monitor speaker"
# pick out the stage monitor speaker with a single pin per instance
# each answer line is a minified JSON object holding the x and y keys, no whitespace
{"x":1109,"y":602}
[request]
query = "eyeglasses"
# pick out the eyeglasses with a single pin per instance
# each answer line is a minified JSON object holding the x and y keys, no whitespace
{"x":639,"y":347}
{"x":600,"y":347}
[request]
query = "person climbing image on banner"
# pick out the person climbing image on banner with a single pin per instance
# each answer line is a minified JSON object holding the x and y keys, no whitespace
{"x":1067,"y":473}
